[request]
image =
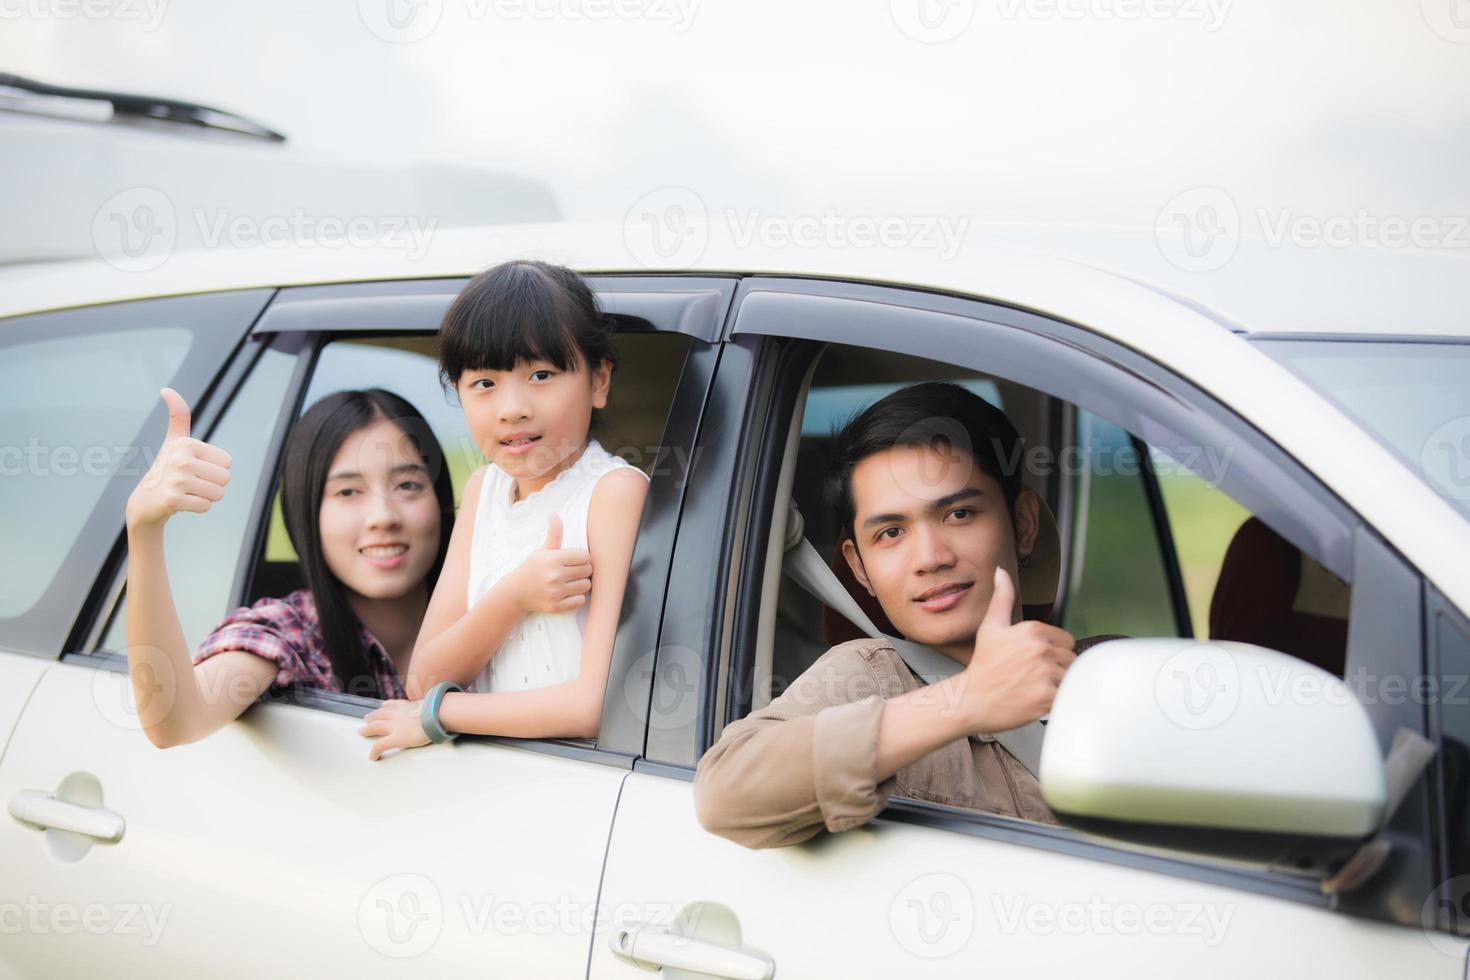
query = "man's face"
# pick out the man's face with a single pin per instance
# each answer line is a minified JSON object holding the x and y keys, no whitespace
{"x":929,"y":531}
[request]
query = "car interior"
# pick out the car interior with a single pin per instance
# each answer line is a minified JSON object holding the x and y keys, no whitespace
{"x":1258,"y":588}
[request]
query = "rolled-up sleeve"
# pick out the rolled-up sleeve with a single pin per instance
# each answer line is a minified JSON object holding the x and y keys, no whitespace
{"x":803,"y":763}
{"x":270,"y":629}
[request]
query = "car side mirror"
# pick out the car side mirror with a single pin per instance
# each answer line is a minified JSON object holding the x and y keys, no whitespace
{"x":1220,"y":748}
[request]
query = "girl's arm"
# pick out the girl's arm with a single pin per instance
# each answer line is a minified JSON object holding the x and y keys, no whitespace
{"x":178,"y":703}
{"x":455,"y":643}
{"x":434,"y":661}
{"x":571,"y":709}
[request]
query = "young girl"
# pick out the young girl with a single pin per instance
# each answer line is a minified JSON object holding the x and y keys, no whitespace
{"x":368,"y":506}
{"x":516,"y":615}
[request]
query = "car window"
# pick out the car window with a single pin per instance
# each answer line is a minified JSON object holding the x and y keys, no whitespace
{"x":1203,"y":521}
{"x":846,"y":381}
{"x":1412,"y":396}
{"x":1243,"y":580}
{"x":73,"y":408}
{"x":631,"y":426}
{"x":202,"y":551}
{"x":405,"y":366}
{"x":1119,"y":582}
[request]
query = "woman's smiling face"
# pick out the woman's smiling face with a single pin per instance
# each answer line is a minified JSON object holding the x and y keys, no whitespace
{"x":379,"y":517}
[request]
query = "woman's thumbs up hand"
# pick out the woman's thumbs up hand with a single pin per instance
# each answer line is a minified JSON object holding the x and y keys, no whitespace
{"x":187,"y":474}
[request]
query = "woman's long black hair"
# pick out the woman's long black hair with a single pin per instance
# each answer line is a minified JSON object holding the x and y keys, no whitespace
{"x":310,"y":449}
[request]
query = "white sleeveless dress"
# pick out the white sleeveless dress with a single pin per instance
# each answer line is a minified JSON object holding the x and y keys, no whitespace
{"x":544,"y":648}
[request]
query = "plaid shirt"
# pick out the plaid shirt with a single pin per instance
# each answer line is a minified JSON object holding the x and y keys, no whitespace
{"x":286,"y":632}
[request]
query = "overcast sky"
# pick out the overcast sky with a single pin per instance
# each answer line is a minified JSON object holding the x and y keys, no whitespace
{"x":1092,"y":111}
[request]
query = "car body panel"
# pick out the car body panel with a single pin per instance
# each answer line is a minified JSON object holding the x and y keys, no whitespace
{"x":275,"y":847}
{"x":891,"y":899}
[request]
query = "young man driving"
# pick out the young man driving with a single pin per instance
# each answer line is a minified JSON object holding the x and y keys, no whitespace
{"x":936,"y":525}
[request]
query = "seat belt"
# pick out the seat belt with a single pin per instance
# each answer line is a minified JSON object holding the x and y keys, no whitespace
{"x":804,"y":565}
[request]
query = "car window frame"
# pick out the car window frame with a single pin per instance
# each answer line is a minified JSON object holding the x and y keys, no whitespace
{"x":232,"y":381}
{"x":318,"y":315}
{"x":1132,"y":372}
{"x":61,"y":622}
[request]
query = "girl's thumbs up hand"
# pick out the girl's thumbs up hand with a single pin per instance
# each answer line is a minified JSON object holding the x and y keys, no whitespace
{"x":553,"y":579}
{"x":187,"y":474}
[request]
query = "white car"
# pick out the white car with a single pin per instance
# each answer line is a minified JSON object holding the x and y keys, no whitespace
{"x":1221,"y":798}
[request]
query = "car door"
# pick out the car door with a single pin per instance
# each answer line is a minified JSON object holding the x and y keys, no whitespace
{"x":927,"y":890}
{"x":274,"y":846}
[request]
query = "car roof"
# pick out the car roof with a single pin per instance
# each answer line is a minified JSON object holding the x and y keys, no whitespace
{"x":1158,"y":317}
{"x":1261,"y":289}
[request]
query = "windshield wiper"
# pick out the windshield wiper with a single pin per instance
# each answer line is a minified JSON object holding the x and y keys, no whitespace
{"x":129,"y":105}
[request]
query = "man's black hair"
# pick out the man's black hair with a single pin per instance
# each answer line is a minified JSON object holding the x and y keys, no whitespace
{"x":934,"y":413}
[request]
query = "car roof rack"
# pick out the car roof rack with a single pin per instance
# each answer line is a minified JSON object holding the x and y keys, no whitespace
{"x":126,"y":105}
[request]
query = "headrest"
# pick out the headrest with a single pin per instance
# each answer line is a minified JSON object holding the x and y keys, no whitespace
{"x":1039,"y":577}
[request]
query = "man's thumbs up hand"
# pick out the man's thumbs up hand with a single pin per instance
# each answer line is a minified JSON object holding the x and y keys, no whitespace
{"x":187,"y":474}
{"x":1015,"y":669}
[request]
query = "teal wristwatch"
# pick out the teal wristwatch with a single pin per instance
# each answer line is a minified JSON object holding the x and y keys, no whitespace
{"x":429,"y":714}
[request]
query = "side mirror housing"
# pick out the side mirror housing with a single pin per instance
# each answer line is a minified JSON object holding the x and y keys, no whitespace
{"x":1221,"y":748}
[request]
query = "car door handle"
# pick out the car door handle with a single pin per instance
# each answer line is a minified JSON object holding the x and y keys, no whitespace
{"x":654,"y":948}
{"x":40,"y":809}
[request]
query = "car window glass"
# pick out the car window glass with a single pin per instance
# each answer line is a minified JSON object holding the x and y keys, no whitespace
{"x":1412,"y":396}
{"x":1118,"y":579}
{"x":1203,"y":521}
{"x":73,"y":410}
{"x":202,"y":550}
{"x":631,"y":426}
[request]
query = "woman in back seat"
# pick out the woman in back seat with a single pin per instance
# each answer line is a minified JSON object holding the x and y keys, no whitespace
{"x":368,"y":505}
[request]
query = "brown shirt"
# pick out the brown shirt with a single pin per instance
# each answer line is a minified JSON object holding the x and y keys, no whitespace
{"x":808,"y":760}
